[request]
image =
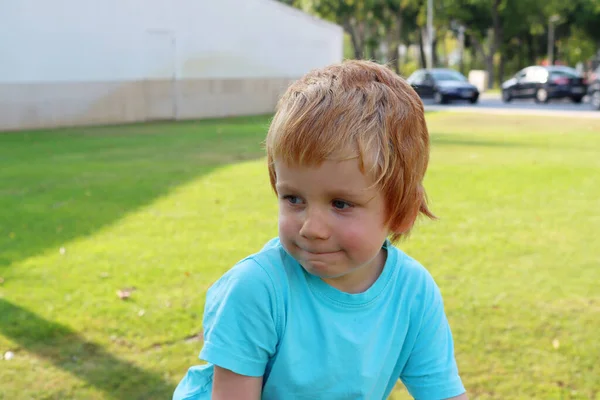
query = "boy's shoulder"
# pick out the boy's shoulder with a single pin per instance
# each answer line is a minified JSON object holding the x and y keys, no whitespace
{"x":262,"y":266}
{"x":412,"y":275}
{"x":269,"y":258}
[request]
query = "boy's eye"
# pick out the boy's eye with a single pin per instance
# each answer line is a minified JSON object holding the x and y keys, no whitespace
{"x":295,"y":200}
{"x":340,"y":204}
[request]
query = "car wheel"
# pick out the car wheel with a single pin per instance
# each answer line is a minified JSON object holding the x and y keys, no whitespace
{"x":439,"y":98}
{"x":507,"y":96}
{"x":595,"y":99}
{"x":473,"y":99}
{"x":541,"y":96}
{"x":577,"y":99}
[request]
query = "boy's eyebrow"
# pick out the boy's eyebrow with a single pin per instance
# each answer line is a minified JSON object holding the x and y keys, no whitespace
{"x":282,"y":187}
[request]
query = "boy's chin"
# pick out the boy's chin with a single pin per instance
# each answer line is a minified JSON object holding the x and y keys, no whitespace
{"x":320,"y":270}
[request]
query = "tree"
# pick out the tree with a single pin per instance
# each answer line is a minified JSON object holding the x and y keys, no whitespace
{"x":397,"y":18}
{"x":483,"y":24}
{"x":356,"y":17}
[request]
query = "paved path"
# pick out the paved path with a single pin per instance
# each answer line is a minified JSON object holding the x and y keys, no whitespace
{"x":492,"y":104}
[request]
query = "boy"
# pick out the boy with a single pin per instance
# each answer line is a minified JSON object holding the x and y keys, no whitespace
{"x":331,"y":309}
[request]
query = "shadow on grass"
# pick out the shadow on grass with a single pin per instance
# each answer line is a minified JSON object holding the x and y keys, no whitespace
{"x":62,"y":184}
{"x":88,"y":361}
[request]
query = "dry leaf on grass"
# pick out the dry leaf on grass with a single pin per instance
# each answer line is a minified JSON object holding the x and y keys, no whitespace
{"x":125,"y":293}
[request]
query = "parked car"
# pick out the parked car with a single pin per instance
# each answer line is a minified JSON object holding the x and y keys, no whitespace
{"x":594,"y":88}
{"x":545,"y":83}
{"x":443,"y":85}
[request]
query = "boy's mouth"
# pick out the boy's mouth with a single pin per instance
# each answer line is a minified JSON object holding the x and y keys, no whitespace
{"x":318,"y":252}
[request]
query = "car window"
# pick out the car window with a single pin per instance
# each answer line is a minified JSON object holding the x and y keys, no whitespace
{"x":416,"y":78}
{"x":521,"y":74}
{"x":537,"y":74}
{"x":448,"y":76}
{"x":565,"y":71}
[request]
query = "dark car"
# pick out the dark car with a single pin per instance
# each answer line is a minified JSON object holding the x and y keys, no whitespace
{"x":443,"y":85}
{"x":594,"y":88}
{"x":545,"y":83}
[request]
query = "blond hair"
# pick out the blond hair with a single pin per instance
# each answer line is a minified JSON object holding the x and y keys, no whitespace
{"x":361,"y":109}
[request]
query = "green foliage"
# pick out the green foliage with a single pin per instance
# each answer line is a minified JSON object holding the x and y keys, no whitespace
{"x":408,"y":68}
{"x":501,"y":35}
{"x":576,"y":47}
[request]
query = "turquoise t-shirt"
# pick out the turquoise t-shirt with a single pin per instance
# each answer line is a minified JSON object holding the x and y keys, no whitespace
{"x":268,"y":317}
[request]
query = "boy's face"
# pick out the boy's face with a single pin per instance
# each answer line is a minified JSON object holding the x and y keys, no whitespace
{"x":332,"y":221}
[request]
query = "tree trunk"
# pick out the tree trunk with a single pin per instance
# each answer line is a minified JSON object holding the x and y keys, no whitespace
{"x":530,"y":51}
{"x":495,"y":43}
{"x":489,"y":63}
{"x":501,"y":69}
{"x":392,"y":55}
{"x":394,"y":41}
{"x":479,"y":48}
{"x":444,"y":52}
{"x":358,"y":43}
{"x":434,"y":54}
{"x":536,"y":52}
{"x":422,"y":50}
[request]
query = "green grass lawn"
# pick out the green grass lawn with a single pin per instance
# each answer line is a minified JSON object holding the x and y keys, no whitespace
{"x":167,"y":208}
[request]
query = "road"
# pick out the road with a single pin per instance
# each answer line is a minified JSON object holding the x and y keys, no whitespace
{"x":492,"y":104}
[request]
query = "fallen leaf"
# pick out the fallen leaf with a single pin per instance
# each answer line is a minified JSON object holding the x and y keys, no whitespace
{"x":187,"y":273}
{"x":555,"y":343}
{"x":125,"y":293}
{"x":141,"y":313}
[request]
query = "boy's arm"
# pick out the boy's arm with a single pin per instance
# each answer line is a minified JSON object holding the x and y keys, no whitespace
{"x":229,"y":385}
{"x":430,"y":371}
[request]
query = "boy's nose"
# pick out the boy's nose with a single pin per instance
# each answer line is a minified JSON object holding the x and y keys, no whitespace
{"x":315,"y":226}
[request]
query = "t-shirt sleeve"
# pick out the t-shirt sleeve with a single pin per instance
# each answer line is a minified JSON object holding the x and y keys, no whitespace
{"x":430,"y":372}
{"x":240,"y":320}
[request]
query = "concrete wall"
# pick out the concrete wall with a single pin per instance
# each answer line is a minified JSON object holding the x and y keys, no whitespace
{"x":72,"y":62}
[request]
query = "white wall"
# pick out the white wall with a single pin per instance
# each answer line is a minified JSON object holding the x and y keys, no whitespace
{"x":125,"y":40}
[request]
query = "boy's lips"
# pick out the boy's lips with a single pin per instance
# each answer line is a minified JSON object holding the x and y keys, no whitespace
{"x":318,"y":252}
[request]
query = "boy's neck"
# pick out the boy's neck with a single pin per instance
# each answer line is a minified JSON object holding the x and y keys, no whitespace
{"x":361,"y":279}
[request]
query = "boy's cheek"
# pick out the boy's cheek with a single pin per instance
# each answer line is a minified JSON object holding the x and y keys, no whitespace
{"x":287,"y":234}
{"x":360,"y":235}
{"x":286,"y":225}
